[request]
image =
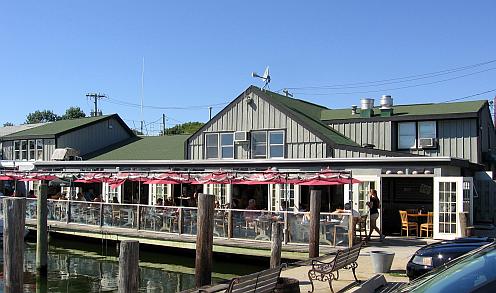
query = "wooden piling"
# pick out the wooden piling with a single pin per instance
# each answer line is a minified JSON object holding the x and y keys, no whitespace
{"x":313,"y":245}
{"x":129,"y":266}
{"x":14,"y":212}
{"x":204,"y":240}
{"x":42,"y":231}
{"x":276,"y":247}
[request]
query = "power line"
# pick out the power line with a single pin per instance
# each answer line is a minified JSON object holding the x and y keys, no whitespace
{"x":397,"y":88}
{"x":470,"y":96}
{"x":128,"y":104}
{"x":394,"y":80}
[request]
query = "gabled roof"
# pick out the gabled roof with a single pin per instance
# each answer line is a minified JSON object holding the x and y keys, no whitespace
{"x":6,"y":130}
{"x":307,"y":114}
{"x":439,"y":110}
{"x":60,"y":127}
{"x":166,"y":147}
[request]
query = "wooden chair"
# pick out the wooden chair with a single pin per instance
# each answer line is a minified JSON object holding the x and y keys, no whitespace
{"x":405,"y":225}
{"x":361,"y":226}
{"x":427,"y":227}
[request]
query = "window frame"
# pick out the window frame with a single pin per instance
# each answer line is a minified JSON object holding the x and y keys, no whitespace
{"x":268,"y":144}
{"x":417,"y":134}
{"x":207,"y":146}
{"x":221,"y":146}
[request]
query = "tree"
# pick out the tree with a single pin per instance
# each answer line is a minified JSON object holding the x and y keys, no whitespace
{"x":41,"y":117}
{"x":8,"y":124}
{"x":73,"y":113}
{"x":185,"y":128}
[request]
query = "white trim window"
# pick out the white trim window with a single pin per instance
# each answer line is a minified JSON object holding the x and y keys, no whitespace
{"x":39,"y":150}
{"x":31,"y":149}
{"x":211,"y":145}
{"x":227,"y":145}
{"x":267,"y":144}
{"x":24,"y":150}
{"x":159,"y":191}
{"x":17,"y":150}
{"x":427,"y":129}
{"x":220,"y":191}
{"x":282,"y":195}
{"x":407,"y":135}
{"x":109,"y":193}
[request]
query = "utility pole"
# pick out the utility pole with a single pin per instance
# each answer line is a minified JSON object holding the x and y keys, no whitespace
{"x":95,"y":98}
{"x":164,"y":123}
{"x":210,"y":113}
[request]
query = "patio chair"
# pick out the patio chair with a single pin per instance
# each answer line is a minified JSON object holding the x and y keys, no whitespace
{"x":361,"y":226}
{"x":427,"y":227}
{"x":405,"y":225}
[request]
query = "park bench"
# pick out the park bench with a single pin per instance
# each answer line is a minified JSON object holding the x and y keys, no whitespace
{"x":329,"y":271}
{"x":259,"y":282}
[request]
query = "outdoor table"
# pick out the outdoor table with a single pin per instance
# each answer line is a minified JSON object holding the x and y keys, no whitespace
{"x":418,"y":218}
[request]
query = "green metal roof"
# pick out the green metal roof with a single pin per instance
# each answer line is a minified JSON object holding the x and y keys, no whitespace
{"x":309,"y":115}
{"x":411,"y":110}
{"x":57,"y":127}
{"x":166,"y":147}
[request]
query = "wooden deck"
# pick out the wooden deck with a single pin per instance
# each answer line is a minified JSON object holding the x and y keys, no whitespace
{"x":221,"y":245}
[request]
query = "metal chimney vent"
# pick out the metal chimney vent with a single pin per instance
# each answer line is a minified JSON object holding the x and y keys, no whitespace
{"x":366,"y":104}
{"x":386,"y":102}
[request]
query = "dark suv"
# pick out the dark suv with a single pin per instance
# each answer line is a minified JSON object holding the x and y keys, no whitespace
{"x":437,"y":254}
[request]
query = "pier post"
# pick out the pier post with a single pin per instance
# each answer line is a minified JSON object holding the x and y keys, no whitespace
{"x":14,"y":213}
{"x":42,"y":231}
{"x":230,"y":224}
{"x":313,"y":245}
{"x":204,"y":240}
{"x":129,"y":266}
{"x":180,"y":228}
{"x":276,"y":247}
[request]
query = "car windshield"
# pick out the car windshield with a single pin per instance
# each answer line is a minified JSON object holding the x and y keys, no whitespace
{"x":468,"y":273}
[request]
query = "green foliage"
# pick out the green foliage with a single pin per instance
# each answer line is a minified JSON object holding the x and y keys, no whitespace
{"x":8,"y":124}
{"x":73,"y":113}
{"x":41,"y":117}
{"x":185,"y":128}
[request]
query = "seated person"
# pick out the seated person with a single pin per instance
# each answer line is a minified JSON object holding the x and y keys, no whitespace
{"x":31,"y":194}
{"x":160,"y":202}
{"x":88,"y":195}
{"x":250,"y":216}
{"x":79,"y":196}
{"x":115,"y":199}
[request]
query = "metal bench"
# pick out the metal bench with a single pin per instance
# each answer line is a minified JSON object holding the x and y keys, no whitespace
{"x":260,"y":282}
{"x":329,"y":271}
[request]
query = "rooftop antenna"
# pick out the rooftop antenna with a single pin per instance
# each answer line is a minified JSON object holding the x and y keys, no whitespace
{"x":287,"y":93}
{"x":265,"y":77}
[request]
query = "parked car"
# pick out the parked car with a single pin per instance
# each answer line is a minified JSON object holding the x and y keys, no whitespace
{"x":437,"y":254}
{"x":472,"y":272}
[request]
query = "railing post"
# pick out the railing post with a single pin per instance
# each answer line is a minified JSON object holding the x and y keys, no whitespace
{"x":138,"y":216}
{"x":204,"y":240}
{"x":14,"y":210}
{"x":102,"y":217}
{"x":351,"y":230}
{"x":276,"y":246}
{"x":180,"y":228}
{"x":286,"y":228}
{"x":230,"y":224}
{"x":314,"y":239}
{"x":68,"y":211}
{"x":42,"y":231}
{"x":129,"y":266}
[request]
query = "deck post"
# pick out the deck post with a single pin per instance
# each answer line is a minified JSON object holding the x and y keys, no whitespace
{"x":180,"y":228}
{"x":42,"y":231}
{"x":14,"y":213}
{"x":315,"y":201}
{"x":138,"y":216}
{"x":230,"y":224}
{"x":204,"y":240}
{"x":102,"y":215}
{"x":129,"y":266}
{"x":286,"y":230}
{"x":68,"y":211}
{"x":276,"y":247}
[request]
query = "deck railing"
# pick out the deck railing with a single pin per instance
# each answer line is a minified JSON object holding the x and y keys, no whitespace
{"x":228,"y":223}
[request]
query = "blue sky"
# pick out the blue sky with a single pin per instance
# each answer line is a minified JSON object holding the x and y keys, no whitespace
{"x":199,"y":53}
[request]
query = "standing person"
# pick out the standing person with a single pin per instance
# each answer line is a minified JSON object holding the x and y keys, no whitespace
{"x":374,"y":204}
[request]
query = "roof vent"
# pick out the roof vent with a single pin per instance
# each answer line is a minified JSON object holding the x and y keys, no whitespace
{"x":367,"y":108}
{"x":386,"y":106}
{"x":353,"y":109}
{"x":386,"y":102}
{"x":65,"y":154}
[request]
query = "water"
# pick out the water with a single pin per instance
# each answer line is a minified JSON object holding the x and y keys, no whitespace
{"x":85,"y":267}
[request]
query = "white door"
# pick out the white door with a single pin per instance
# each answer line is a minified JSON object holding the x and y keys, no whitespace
{"x":284,"y":194}
{"x":452,"y":196}
{"x":361,"y":195}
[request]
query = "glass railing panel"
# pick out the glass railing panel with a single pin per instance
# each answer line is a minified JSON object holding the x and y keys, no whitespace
{"x":298,"y":227}
{"x":221,"y":223}
{"x":120,"y":215}
{"x":189,"y":223}
{"x":159,"y":218}
{"x":334,"y":229}
{"x":31,"y":208}
{"x":57,"y":210}
{"x":254,"y":224}
{"x":85,"y":213}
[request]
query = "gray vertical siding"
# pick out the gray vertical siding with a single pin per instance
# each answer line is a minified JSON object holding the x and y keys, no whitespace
{"x":377,"y":133}
{"x":93,"y":137}
{"x":487,"y":135}
{"x":48,"y":148}
{"x":260,"y":115}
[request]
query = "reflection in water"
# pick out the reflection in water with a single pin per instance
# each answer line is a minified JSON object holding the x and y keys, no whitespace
{"x":82,"y":271}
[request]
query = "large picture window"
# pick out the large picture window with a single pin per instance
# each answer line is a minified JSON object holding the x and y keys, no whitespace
{"x":410,"y":133}
{"x":267,"y":144}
